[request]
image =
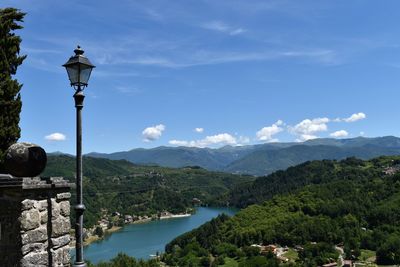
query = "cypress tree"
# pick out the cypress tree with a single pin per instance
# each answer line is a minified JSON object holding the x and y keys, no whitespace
{"x":10,"y":99}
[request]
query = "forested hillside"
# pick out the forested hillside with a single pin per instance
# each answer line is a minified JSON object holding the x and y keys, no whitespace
{"x":315,"y":206}
{"x":281,"y":182}
{"x":141,"y":190}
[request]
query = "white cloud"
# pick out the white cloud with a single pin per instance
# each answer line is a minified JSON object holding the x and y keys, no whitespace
{"x":153,"y":133}
{"x":341,"y":133}
{"x":305,"y":137}
{"x":178,"y":143}
{"x":243,"y":140}
{"x":223,"y":138}
{"x":55,"y":137}
{"x":199,"y":130}
{"x":266,"y":133}
{"x":355,"y":117}
{"x":218,"y":139}
{"x":307,"y":128}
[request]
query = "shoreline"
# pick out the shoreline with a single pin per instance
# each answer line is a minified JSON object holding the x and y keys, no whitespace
{"x":95,"y":238}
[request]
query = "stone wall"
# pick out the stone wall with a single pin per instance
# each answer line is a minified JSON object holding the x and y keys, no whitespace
{"x":34,"y":221}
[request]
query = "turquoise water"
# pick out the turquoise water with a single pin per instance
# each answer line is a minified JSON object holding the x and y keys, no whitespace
{"x":142,"y":240}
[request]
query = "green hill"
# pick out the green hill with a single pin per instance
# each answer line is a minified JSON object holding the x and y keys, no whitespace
{"x":315,"y":205}
{"x":118,"y":185}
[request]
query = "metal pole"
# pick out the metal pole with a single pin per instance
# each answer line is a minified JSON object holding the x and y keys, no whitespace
{"x":79,"y":207}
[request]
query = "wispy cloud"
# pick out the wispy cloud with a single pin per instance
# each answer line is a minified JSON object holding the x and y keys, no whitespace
{"x":222,"y":27}
{"x":43,"y":64}
{"x":30,"y":50}
{"x":203,"y":57}
{"x":127,"y":90}
{"x":141,"y":49}
{"x":100,"y":73}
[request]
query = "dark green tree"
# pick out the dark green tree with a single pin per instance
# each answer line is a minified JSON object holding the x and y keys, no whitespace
{"x":10,"y":59}
{"x":389,"y":251}
{"x":99,"y":231}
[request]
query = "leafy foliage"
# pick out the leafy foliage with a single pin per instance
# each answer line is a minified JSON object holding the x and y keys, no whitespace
{"x":10,"y":99}
{"x":123,"y":260}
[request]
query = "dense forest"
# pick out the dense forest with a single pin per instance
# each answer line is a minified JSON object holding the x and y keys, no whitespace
{"x":316,"y":206}
{"x":118,"y":185}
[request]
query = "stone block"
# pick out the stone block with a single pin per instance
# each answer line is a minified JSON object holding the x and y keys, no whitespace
{"x":27,"y":204}
{"x":43,"y":217}
{"x":55,"y":209}
{"x":60,"y":241}
{"x":63,"y":196}
{"x":65,"y":208}
{"x":57,"y":179}
{"x":35,"y":259}
{"x":34,"y":247}
{"x":60,"y":256}
{"x":30,"y":219}
{"x":42,"y":205}
{"x":66,"y":256}
{"x":60,"y":226}
{"x":35,"y":236}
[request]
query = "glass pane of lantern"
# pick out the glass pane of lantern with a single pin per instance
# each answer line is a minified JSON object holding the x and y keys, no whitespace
{"x":85,"y":74}
{"x":73,"y":72}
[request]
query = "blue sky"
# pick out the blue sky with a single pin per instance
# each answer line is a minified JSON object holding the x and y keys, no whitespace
{"x":210,"y":72}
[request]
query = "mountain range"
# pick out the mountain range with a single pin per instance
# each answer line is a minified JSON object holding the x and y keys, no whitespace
{"x":259,"y":159}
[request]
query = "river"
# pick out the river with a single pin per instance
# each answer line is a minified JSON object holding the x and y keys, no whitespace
{"x":142,"y":240}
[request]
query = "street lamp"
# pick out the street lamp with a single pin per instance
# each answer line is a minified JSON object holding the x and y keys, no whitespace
{"x":79,"y":69}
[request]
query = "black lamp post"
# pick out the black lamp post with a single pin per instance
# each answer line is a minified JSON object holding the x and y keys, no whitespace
{"x":79,"y":69}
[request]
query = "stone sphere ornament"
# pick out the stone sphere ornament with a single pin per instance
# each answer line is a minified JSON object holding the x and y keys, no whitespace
{"x":25,"y":160}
